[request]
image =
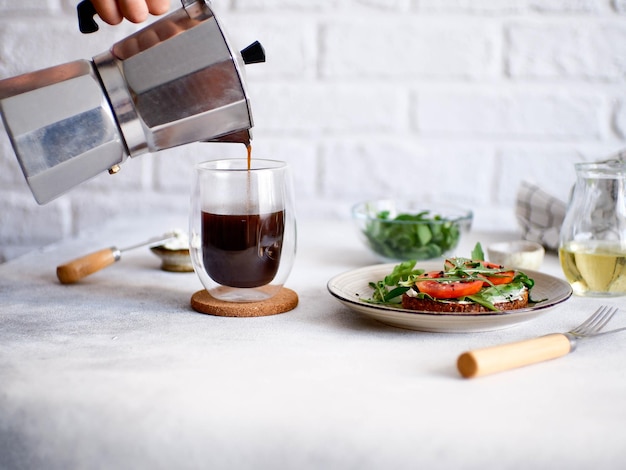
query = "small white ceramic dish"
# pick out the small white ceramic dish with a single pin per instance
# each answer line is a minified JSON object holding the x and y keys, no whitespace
{"x":519,"y":254}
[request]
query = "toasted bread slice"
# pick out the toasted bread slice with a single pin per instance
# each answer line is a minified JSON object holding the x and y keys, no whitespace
{"x":450,"y":306}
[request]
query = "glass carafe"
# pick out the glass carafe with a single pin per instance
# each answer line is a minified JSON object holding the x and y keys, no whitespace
{"x":592,"y":247}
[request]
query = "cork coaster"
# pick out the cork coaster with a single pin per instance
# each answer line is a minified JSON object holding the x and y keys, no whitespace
{"x":284,"y":301}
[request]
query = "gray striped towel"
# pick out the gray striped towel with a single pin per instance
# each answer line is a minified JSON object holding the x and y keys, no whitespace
{"x":540,"y":215}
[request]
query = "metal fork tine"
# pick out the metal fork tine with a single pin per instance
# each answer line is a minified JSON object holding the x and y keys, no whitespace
{"x":584,"y":325}
{"x":607,"y":318}
{"x":595,"y":322}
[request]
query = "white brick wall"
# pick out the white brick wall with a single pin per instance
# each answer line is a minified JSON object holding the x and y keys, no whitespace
{"x":440,"y":100}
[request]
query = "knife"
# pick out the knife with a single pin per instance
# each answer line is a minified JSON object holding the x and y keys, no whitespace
{"x":75,"y":270}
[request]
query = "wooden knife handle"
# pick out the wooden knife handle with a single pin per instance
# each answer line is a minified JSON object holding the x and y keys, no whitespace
{"x":510,"y":356}
{"x":77,"y":269}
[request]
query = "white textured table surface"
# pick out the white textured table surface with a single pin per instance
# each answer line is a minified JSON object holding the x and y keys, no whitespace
{"x":119,"y":372}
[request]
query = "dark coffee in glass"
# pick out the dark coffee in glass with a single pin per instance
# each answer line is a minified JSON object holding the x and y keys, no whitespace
{"x":242,"y":250}
{"x":242,"y":228}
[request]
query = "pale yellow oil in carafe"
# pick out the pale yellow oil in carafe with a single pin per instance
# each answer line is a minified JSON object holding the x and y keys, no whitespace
{"x":594,"y":268}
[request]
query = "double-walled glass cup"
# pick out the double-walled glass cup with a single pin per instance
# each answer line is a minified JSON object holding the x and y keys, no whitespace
{"x":242,"y":228}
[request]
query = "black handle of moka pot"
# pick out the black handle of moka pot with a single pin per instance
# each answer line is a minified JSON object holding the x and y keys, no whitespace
{"x":86,"y":11}
{"x":253,"y":54}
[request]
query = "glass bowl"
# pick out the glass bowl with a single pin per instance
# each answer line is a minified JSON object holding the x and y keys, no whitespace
{"x":400,"y":230}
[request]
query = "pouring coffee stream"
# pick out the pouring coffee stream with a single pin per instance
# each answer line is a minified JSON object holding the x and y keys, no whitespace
{"x":186,"y":84}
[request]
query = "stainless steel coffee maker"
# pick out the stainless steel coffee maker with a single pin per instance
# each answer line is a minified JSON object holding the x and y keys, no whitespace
{"x":173,"y":82}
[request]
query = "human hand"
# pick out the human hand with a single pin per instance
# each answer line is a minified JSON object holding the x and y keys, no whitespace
{"x":136,"y":11}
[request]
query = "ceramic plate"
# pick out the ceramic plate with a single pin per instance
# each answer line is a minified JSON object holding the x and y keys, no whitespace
{"x":350,"y":287}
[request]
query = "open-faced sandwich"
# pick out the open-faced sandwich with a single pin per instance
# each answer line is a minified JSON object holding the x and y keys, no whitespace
{"x":463,"y":285}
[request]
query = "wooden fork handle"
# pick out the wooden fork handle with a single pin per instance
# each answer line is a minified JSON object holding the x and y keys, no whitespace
{"x":510,"y":356}
{"x":79,"y":268}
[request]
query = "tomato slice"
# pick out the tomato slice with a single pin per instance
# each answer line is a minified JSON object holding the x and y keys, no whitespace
{"x":503,"y":277}
{"x":498,"y":278}
{"x":447,"y":289}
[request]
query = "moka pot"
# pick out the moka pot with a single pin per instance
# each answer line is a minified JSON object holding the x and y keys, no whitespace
{"x":173,"y":82}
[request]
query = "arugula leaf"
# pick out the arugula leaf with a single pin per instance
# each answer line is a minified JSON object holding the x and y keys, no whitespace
{"x":482,"y":301}
{"x":529,"y":283}
{"x":477,"y":253}
{"x":389,"y":290}
{"x":488,"y":294}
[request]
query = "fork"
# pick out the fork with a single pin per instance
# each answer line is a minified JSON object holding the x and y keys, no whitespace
{"x":521,"y":353}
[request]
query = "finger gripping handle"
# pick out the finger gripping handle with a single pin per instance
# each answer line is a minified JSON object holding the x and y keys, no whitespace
{"x":510,"y":356}
{"x":79,"y":268}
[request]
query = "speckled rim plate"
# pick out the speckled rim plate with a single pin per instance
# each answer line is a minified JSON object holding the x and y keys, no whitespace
{"x":350,"y":287}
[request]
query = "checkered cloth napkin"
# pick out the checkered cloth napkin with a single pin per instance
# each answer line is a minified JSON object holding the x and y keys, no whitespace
{"x":540,"y":215}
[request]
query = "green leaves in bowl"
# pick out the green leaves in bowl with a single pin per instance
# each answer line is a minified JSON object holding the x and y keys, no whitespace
{"x":406,"y":236}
